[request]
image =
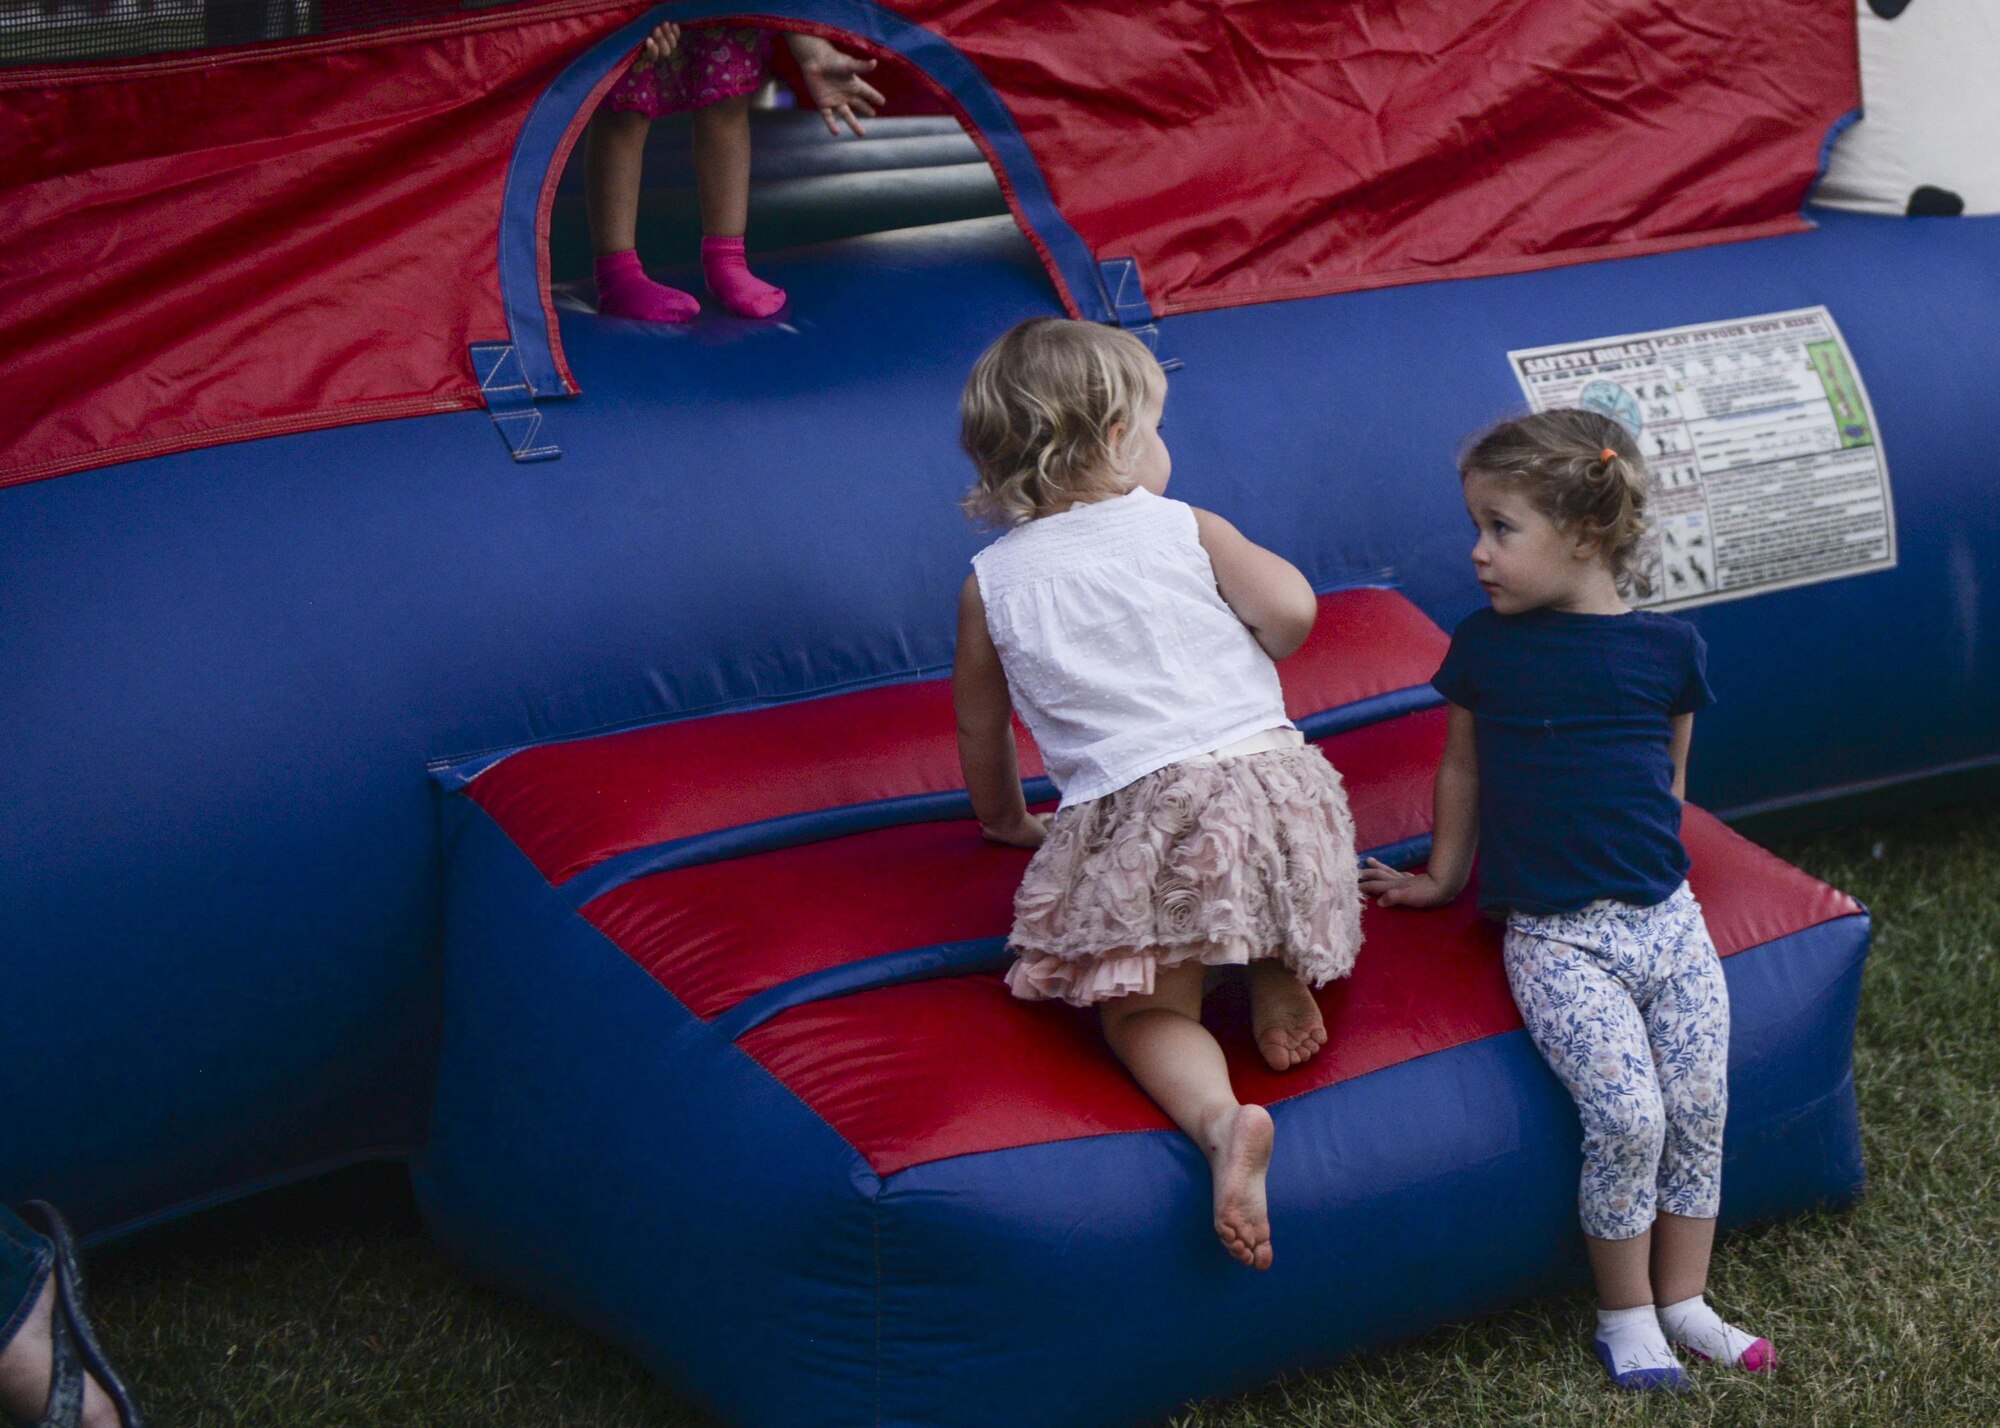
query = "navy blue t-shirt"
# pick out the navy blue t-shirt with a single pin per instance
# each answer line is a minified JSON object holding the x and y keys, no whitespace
{"x":1574,"y":717}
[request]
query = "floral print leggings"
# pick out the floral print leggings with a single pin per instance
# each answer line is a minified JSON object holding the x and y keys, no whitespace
{"x":1628,"y":1006}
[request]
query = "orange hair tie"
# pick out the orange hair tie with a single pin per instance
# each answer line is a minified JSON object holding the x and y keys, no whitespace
{"x":1607,"y":455}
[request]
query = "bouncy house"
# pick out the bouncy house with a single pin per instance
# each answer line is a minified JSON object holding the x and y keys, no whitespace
{"x":448,"y":724}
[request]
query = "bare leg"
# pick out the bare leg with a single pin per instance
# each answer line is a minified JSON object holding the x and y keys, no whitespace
{"x":1172,"y":1056}
{"x":1681,"y":1246}
{"x":1621,"y":1268}
{"x":613,"y":163}
{"x":1680,"y":1257}
{"x":613,"y":172}
{"x":25,"y":1362}
{"x":1287,"y":1021}
{"x":722,"y":166}
{"x":1630,"y":1341}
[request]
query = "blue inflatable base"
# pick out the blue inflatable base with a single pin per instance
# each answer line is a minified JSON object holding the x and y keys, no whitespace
{"x":227,"y":668}
{"x":601,"y":1150}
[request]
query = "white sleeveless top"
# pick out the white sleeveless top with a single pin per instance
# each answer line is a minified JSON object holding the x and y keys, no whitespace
{"x":1119,"y":652}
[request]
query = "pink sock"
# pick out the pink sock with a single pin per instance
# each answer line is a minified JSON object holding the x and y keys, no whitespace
{"x":624,"y":290}
{"x":730,"y":279}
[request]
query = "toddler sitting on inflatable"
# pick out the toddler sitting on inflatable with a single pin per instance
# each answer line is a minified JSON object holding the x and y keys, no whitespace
{"x":1565,"y":761}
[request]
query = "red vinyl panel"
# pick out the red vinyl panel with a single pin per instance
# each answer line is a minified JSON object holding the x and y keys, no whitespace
{"x":1244,"y":151}
{"x":716,"y":933}
{"x":215,"y":247}
{"x":570,"y":806}
{"x":219,"y":246}
{"x":920,"y":1072}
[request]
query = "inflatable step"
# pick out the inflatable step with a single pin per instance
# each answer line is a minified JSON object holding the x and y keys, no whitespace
{"x":849,"y":761}
{"x":730,"y":1072}
{"x":719,"y":930}
{"x":921,"y":1072}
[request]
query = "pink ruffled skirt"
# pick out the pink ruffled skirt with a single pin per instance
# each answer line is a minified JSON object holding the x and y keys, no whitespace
{"x":712,"y":63}
{"x":1220,"y":861}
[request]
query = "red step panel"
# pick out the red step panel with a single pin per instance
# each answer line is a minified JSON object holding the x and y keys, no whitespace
{"x":1365,"y":642}
{"x":572,"y":805}
{"x":716,"y":933}
{"x":921,"y":1072}
{"x":1388,"y":770}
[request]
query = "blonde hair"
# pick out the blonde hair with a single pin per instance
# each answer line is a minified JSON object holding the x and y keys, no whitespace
{"x":1583,"y":471}
{"x":1037,"y":413}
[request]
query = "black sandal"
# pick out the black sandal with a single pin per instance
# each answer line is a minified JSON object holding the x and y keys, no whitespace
{"x":65,"y":1405}
{"x":73,"y":1342}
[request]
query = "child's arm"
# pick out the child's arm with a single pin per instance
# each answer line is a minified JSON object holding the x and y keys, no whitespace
{"x":986,"y":730}
{"x":834,"y":78}
{"x":1677,"y":745}
{"x":1264,"y":589}
{"x":1454,"y":829}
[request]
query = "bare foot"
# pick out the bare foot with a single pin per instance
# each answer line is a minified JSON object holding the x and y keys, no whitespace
{"x":1239,"y":1154}
{"x":1289,"y":1029}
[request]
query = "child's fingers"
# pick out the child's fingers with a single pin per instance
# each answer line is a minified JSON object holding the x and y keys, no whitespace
{"x":662,"y":42}
{"x":833,"y":114}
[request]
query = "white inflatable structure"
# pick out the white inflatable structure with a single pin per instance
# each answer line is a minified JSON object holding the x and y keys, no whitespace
{"x":1928,"y":141}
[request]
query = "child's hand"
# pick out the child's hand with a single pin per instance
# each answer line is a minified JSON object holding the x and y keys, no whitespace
{"x":664,"y":40}
{"x":1391,"y":888}
{"x":1026,"y":831}
{"x":834,"y":79}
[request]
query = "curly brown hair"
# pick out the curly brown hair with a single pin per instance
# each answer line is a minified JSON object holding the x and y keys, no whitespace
{"x":1582,"y":470}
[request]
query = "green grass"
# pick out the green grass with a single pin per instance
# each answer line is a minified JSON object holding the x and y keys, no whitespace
{"x":325,"y":1305}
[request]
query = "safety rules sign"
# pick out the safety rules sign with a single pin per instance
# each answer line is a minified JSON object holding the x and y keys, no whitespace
{"x":1768,"y":469}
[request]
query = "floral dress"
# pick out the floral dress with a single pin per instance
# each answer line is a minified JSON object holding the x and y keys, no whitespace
{"x":712,"y":63}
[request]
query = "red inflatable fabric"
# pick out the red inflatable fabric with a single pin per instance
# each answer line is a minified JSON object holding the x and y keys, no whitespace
{"x":718,"y":933}
{"x":924,"y":1071}
{"x":221,"y":246}
{"x":1244,"y":152}
{"x":571,"y":806}
{"x":215,"y":247}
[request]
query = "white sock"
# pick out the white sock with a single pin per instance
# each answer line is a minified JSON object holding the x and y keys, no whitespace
{"x":1693,"y":1325}
{"x":1634,"y":1340}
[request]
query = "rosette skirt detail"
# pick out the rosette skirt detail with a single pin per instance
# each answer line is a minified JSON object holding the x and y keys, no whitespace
{"x":1222,"y":861}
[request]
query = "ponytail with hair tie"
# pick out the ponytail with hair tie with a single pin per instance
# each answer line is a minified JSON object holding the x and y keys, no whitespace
{"x":1563,"y":460}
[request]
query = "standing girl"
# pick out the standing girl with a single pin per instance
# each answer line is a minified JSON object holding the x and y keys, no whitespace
{"x":712,"y":71}
{"x":1136,"y":636}
{"x":1565,"y":763}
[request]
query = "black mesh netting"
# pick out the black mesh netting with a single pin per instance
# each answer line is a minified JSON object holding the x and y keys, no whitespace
{"x":61,"y":31}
